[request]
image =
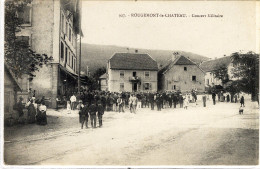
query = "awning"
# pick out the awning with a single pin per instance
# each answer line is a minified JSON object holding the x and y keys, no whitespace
{"x":83,"y":78}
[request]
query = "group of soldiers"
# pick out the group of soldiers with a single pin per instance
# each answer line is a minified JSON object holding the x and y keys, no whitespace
{"x":93,"y":104}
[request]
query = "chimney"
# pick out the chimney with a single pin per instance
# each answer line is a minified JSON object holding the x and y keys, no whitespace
{"x":175,"y":55}
{"x":136,"y":51}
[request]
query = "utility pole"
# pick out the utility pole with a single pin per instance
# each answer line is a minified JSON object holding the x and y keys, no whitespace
{"x":79,"y":85}
{"x":79,"y":63}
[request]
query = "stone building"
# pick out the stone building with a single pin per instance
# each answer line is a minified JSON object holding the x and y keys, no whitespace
{"x":132,"y":72}
{"x":212,"y":65}
{"x":181,"y":74}
{"x":51,"y":27}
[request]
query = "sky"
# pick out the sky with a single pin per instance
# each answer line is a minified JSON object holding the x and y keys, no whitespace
{"x":212,"y":37}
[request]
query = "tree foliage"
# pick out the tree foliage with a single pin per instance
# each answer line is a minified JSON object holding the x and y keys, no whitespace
{"x":246,"y":70}
{"x":221,"y":73}
{"x":93,"y":81}
{"x":18,"y":54}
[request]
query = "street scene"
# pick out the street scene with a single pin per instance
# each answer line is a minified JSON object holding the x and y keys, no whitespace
{"x":196,"y":136}
{"x":130,"y":83}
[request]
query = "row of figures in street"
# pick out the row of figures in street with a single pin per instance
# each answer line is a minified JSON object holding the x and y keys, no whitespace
{"x":92,"y":105}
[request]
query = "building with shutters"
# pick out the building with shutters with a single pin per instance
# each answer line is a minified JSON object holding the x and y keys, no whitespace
{"x":52,"y":27}
{"x":132,"y":72}
{"x":212,"y":65}
{"x":181,"y":74}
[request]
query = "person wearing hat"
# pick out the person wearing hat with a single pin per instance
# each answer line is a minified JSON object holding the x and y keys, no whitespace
{"x":120,"y":104}
{"x":100,"y":110}
{"x":158,"y":102}
{"x":31,"y":112}
{"x":175,"y":99}
{"x":93,"y":115}
{"x":84,"y":115}
{"x":41,"y":117}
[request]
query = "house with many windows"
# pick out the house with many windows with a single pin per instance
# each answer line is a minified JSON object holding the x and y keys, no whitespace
{"x":212,"y":65}
{"x":132,"y":72}
{"x":181,"y":74}
{"x":52,"y":27}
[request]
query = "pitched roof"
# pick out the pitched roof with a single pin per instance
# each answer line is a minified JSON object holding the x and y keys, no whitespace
{"x":132,"y":61}
{"x":104,"y":76}
{"x":8,"y":70}
{"x":179,"y":60}
{"x":211,"y":65}
{"x":182,"y":60}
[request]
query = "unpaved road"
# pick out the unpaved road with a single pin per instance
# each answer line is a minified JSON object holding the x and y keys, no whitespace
{"x":215,"y":135}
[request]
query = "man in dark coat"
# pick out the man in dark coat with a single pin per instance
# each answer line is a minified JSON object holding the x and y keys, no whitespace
{"x":100,"y":110}
{"x":242,"y":101}
{"x":158,"y":102}
{"x":84,"y":115}
{"x":93,"y":115}
{"x":204,"y":99}
{"x":170,"y":99}
{"x":175,"y":100}
{"x":181,"y":101}
{"x":214,"y":97}
{"x":151,"y":100}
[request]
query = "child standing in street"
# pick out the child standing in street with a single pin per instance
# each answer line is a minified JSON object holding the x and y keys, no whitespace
{"x":68,"y":107}
{"x":186,"y":103}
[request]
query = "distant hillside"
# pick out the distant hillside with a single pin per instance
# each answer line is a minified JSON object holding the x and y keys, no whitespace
{"x":96,"y":56}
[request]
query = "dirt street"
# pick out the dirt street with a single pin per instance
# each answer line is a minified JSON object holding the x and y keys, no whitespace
{"x":215,"y":135}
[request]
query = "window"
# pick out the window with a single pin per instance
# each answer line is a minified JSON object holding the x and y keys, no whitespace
{"x":122,"y":74}
{"x":69,"y":58}
{"x":146,"y":74}
{"x":61,"y":50}
{"x":69,"y":34}
{"x":193,"y":78}
{"x":72,"y":37}
{"x":62,"y":23}
{"x":147,"y":86}
{"x":174,"y":87}
{"x":25,"y":15}
{"x":75,"y":65}
{"x":122,"y":86}
{"x":67,"y":28}
{"x":134,"y":74}
{"x":66,"y":55}
{"x":23,"y":39}
{"x":72,"y":64}
{"x":185,"y":68}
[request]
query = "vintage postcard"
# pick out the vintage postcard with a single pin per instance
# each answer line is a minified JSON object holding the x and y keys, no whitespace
{"x":130,"y":84}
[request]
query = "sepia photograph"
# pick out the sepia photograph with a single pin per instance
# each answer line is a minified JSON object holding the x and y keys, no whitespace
{"x":130,"y":83}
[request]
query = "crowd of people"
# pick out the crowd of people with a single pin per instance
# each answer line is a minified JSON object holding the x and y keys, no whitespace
{"x":35,"y":110}
{"x":93,"y":104}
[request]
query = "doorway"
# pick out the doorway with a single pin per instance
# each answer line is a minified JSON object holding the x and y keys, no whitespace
{"x":134,"y":87}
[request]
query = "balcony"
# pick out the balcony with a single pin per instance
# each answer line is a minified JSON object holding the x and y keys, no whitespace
{"x":134,"y":79}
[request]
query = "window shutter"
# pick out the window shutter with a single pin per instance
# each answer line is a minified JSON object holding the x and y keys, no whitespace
{"x":150,"y":86}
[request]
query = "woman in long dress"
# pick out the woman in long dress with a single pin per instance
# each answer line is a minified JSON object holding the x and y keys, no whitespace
{"x":31,"y":112}
{"x":41,"y":116}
